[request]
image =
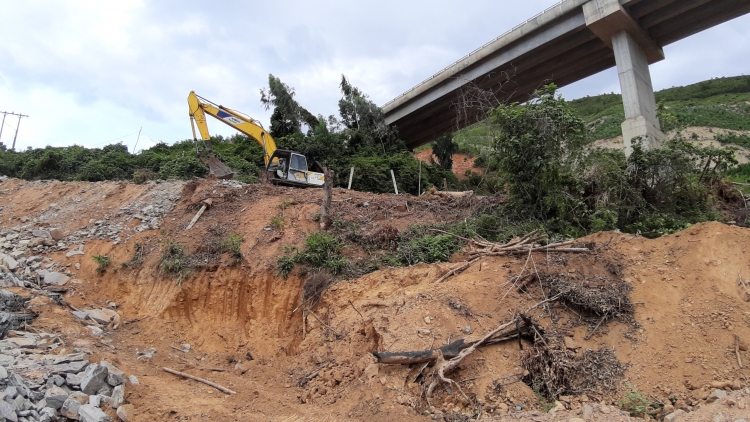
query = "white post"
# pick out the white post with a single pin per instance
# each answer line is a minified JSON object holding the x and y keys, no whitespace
{"x":419,"y":183}
{"x":393,"y":176}
{"x":351,"y":176}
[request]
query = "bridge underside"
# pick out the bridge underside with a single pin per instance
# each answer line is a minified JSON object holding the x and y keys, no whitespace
{"x":573,"y":53}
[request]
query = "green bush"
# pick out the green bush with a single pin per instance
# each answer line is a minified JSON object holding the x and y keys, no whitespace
{"x":232,"y":244}
{"x":102,"y":262}
{"x":634,"y":403}
{"x":174,"y":260}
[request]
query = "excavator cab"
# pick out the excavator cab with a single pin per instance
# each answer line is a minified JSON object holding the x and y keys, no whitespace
{"x":290,"y":168}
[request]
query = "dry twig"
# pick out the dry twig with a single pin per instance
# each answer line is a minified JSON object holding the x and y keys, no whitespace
{"x":207,"y":382}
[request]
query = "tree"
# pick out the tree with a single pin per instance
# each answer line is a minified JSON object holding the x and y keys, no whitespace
{"x":288,"y":116}
{"x":538,"y":146}
{"x":443,"y":149}
{"x":364,"y":120}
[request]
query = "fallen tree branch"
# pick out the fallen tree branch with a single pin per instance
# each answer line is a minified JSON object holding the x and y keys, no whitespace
{"x":480,"y":248}
{"x":207,"y":382}
{"x":737,"y":349}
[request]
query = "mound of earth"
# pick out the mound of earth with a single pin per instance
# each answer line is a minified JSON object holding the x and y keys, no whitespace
{"x":668,"y":318}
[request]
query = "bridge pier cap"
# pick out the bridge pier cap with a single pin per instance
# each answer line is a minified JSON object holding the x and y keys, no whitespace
{"x":634,"y":50}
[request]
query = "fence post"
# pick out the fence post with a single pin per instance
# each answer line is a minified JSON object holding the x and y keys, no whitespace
{"x":351,"y":176}
{"x":325,"y":206}
{"x":393,"y":176}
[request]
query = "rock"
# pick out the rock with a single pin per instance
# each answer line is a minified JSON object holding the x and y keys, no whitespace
{"x":588,"y":411}
{"x":40,"y":233}
{"x":96,"y":400}
{"x":133,"y":380}
{"x":570,"y":344}
{"x":125,"y":412}
{"x":55,"y":397}
{"x":102,"y":316}
{"x":74,"y":253}
{"x":57,"y":234}
{"x":73,"y":380}
{"x":8,"y":412}
{"x":49,"y":242}
{"x":55,"y":278}
{"x":716,"y":395}
{"x":737,"y":385}
{"x":118,"y":396}
{"x":9,"y":262}
{"x":80,"y":314}
{"x":47,"y":414}
{"x":575,"y":420}
{"x":558,"y":407}
{"x":68,"y":368}
{"x":10,"y":392}
{"x":105,"y":390}
{"x":37,"y":241}
{"x":115,"y":376}
{"x":89,"y":413}
{"x":95,"y":331}
{"x":668,"y":408}
{"x":675,"y":416}
{"x":371,"y":371}
{"x":93,"y":379}
{"x":70,"y":408}
{"x":3,"y":374}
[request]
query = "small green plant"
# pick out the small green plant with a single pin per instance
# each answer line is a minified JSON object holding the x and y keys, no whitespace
{"x":137,"y":258}
{"x":174,"y":260}
{"x":285,"y":265}
{"x":278,"y":223}
{"x":232,"y":244}
{"x":634,"y":402}
{"x":544,"y":403}
{"x":102,"y":263}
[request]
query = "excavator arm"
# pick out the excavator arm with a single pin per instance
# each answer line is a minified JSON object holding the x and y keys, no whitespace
{"x":200,"y":106}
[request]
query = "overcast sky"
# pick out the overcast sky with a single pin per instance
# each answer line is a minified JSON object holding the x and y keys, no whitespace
{"x":93,"y":72}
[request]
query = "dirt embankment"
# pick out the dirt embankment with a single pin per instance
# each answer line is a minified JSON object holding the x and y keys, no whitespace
{"x":245,"y":333}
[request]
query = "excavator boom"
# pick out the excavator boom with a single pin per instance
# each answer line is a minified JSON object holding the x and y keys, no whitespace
{"x":282,"y":167}
{"x":200,"y":106}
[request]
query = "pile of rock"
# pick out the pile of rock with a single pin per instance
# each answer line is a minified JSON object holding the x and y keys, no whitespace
{"x":35,"y":386}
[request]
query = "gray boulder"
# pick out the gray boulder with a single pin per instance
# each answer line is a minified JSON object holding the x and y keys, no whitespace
{"x":54,"y":278}
{"x":8,"y":412}
{"x":89,"y":413}
{"x":70,"y":408}
{"x":118,"y":397}
{"x":115,"y":376}
{"x":55,"y":397}
{"x":94,"y":379}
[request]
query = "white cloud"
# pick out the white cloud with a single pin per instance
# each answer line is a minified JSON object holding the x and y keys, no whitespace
{"x":89,"y":71}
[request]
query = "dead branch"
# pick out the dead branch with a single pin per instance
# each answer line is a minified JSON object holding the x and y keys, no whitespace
{"x":194,"y":378}
{"x":454,"y":349}
{"x":457,"y":270}
{"x":737,"y":349}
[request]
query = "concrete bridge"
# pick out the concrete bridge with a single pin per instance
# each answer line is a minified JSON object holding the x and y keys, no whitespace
{"x":564,"y":44}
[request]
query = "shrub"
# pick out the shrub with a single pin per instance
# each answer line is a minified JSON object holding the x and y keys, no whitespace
{"x":285,"y":265}
{"x":174,"y":260}
{"x":102,"y":263}
{"x":634,"y":403}
{"x":232,"y":244}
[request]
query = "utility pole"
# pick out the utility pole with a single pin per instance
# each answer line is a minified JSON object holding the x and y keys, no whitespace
{"x":5,"y":114}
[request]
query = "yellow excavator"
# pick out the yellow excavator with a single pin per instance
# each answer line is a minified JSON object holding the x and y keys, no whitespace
{"x":283,"y":167}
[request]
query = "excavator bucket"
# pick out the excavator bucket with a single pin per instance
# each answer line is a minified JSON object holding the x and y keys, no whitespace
{"x":219,"y":169}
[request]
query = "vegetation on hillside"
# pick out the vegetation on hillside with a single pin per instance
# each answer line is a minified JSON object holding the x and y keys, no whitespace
{"x":721,"y":103}
{"x":358,"y":137}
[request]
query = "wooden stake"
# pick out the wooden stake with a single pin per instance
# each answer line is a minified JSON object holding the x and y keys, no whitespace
{"x":393,"y":177}
{"x":207,"y":203}
{"x":207,"y":382}
{"x":351,"y":177}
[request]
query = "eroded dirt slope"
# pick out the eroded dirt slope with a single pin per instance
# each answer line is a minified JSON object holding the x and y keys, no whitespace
{"x":240,"y":321}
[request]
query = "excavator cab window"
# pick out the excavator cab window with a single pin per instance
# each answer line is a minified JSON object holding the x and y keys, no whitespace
{"x":298,"y":162}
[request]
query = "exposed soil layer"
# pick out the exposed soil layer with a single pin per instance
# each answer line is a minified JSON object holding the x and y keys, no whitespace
{"x":246,"y":333}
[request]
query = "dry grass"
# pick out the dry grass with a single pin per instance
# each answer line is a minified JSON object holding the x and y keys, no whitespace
{"x":556,"y":371}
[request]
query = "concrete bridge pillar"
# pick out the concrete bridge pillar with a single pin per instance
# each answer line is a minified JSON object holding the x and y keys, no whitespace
{"x":634,"y":51}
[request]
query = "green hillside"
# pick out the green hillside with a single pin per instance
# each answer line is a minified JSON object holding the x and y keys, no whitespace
{"x":721,"y":103}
